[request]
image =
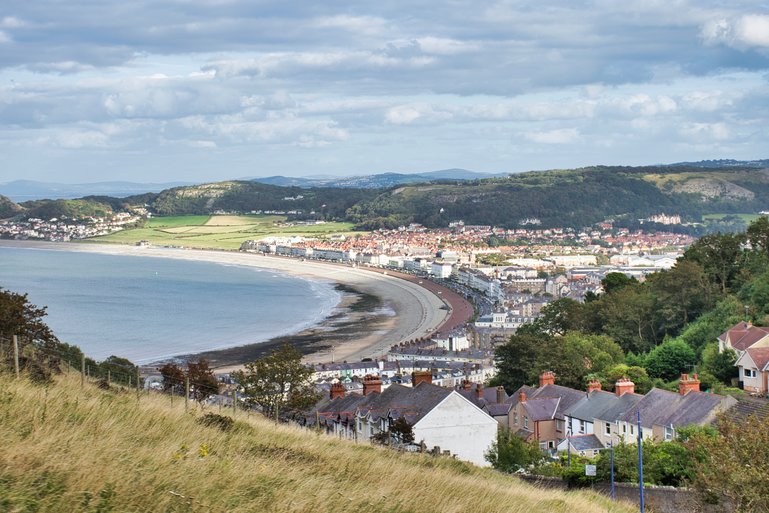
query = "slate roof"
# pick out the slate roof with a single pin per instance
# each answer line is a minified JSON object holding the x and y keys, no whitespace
{"x":663,"y":408}
{"x":747,"y":407}
{"x":568,"y":397}
{"x":407,"y":402}
{"x":541,"y":408}
{"x":585,"y":443}
{"x":498,"y":409}
{"x":591,"y":405}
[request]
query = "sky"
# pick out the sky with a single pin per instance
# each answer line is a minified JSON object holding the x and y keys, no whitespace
{"x":207,"y":90}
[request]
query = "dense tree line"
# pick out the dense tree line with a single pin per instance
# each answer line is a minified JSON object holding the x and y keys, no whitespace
{"x":656,"y":329}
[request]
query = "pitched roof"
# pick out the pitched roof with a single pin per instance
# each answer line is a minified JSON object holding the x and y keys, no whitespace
{"x":541,"y":408}
{"x":568,"y":397}
{"x":498,"y":409}
{"x":663,"y":408}
{"x":740,"y":326}
{"x":410,"y":403}
{"x":759,"y":355}
{"x":747,"y":407}
{"x":591,"y":404}
{"x":743,"y":339}
{"x":585,"y":443}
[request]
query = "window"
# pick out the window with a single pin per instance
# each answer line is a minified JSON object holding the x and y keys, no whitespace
{"x":582,"y":427}
{"x":515,"y":418}
{"x":607,"y":428}
{"x":526,"y":422}
{"x":360,"y":425}
{"x":750,"y":373}
{"x":624,"y":428}
{"x":632,"y":429}
{"x":669,"y":433}
{"x":551,"y":444}
{"x":559,"y":425}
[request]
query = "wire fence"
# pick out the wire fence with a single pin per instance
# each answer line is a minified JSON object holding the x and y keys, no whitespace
{"x":33,"y":357}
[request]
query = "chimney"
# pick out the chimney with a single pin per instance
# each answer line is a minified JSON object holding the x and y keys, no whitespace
{"x":372,"y":384}
{"x":479,"y":391}
{"x":688,"y":384}
{"x":418,"y":377}
{"x":593,"y":385}
{"x":501,"y":395}
{"x":546,"y":378}
{"x":337,"y":390}
{"x":522,"y":396}
{"x":466,"y":385}
{"x":624,"y":386}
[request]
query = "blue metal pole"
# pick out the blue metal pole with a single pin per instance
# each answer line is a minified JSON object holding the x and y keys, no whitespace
{"x":568,"y":445}
{"x":611,"y":449}
{"x":640,"y":463}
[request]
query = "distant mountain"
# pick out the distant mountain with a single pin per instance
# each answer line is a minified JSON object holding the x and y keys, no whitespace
{"x":378,"y":181}
{"x":26,"y":190}
{"x":722,"y":163}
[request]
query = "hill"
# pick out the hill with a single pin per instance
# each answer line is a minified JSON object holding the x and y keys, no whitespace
{"x":377,"y":181}
{"x":571,"y":198}
{"x":8,"y":208}
{"x":72,"y":449}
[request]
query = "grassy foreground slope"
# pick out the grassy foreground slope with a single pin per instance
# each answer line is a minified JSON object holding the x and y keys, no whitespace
{"x":72,"y":449}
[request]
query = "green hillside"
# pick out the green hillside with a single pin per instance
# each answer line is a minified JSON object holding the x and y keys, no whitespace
{"x":566,"y":198}
{"x":8,"y":208}
{"x":67,"y":448}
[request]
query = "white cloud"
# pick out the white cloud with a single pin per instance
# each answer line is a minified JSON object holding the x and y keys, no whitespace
{"x":366,"y":25}
{"x":11,"y":22}
{"x":4,"y":38}
{"x":558,"y":136}
{"x":746,"y":31}
{"x":704,"y":132}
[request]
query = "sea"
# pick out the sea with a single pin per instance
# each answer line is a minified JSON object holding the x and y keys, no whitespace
{"x":147,"y":309}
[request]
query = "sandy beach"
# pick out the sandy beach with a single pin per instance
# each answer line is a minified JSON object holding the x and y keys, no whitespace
{"x":390,"y":309}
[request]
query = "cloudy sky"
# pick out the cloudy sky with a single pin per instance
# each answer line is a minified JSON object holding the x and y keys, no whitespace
{"x":199,"y":90}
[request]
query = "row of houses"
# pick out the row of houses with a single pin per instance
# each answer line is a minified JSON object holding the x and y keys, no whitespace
{"x":751,"y":343}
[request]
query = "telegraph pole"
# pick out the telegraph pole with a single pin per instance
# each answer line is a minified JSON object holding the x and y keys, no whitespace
{"x":186,"y":393}
{"x":16,"y":354}
{"x":640,"y":462}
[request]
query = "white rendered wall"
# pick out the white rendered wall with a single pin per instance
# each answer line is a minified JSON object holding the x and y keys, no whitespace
{"x":458,"y":426}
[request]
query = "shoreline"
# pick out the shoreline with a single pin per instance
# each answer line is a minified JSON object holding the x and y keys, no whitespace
{"x":419,"y":308}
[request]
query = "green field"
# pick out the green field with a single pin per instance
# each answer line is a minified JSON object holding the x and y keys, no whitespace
{"x":218,"y":232}
{"x":746,"y":218}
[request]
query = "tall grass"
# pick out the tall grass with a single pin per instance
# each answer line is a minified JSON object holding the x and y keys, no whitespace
{"x":67,"y":448}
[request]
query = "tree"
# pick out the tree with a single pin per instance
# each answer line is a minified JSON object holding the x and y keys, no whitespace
{"x":19,"y":317}
{"x":627,"y":316}
{"x":173,"y":378}
{"x":721,"y":257}
{"x":734,"y":464}
{"x":670,"y":359}
{"x":575,"y":355}
{"x":510,"y":453}
{"x":400,"y":432}
{"x":277,"y":382}
{"x":517,"y":360}
{"x":682,"y":294}
{"x":637,"y":375}
{"x":119,"y":369}
{"x":758,"y":235}
{"x":719,"y":364}
{"x":203,"y":383}
{"x":616,"y":281}
{"x":558,"y":317}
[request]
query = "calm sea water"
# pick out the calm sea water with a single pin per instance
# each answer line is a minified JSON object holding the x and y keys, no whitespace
{"x":148,"y":308}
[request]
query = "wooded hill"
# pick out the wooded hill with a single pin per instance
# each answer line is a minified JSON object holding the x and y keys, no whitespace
{"x":565,"y":198}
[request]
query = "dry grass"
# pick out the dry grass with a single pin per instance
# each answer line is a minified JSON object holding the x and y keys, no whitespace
{"x":72,"y":449}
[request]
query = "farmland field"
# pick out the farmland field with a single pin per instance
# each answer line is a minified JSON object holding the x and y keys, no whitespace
{"x":219,"y":232}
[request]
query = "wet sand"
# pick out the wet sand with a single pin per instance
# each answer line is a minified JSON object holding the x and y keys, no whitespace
{"x":379,"y":308}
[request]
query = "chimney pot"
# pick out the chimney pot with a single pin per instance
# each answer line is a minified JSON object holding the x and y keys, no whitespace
{"x":337,"y":390}
{"x":501,"y":395}
{"x":624,"y":386}
{"x":688,"y":384}
{"x":546,"y":378}
{"x":479,"y":391}
{"x":522,"y":396}
{"x":372,"y":384}
{"x":593,"y":385}
{"x":418,"y":377}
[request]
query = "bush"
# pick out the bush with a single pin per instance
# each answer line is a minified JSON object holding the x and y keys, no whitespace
{"x":222,"y":422}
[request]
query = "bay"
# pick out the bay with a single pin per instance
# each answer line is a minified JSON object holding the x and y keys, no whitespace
{"x":146,"y":309}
